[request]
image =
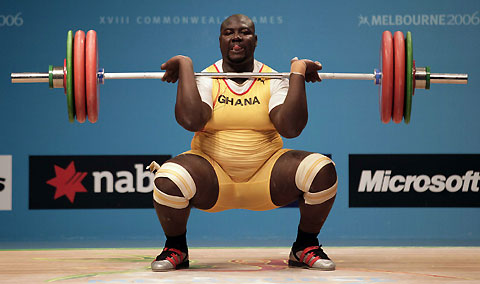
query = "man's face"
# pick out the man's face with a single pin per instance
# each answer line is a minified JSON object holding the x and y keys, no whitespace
{"x":237,"y":40}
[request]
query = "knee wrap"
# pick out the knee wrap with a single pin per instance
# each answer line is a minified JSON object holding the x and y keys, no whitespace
{"x":182,"y":179}
{"x":306,"y":172}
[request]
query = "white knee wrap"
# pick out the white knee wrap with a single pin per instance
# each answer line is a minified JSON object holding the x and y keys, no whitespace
{"x":306,"y":172}
{"x":182,"y":179}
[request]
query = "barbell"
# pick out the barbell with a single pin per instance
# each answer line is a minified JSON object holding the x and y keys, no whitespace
{"x":398,"y":77}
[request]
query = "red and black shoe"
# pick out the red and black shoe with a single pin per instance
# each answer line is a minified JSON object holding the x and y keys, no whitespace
{"x":170,"y":259}
{"x":311,"y":257}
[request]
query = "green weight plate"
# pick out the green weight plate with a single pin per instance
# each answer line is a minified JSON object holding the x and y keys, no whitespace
{"x":50,"y":76}
{"x":70,"y":98}
{"x":408,"y":77}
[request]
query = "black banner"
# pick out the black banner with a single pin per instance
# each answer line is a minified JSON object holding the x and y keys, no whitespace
{"x":76,"y":182}
{"x":421,"y":180}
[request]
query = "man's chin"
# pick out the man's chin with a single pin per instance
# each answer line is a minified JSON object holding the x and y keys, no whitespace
{"x":237,"y":60}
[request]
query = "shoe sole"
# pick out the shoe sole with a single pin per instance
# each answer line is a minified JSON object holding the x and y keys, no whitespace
{"x":297,"y":264}
{"x":183,"y":265}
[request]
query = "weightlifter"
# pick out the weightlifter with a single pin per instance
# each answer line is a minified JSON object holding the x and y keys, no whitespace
{"x":237,"y":159}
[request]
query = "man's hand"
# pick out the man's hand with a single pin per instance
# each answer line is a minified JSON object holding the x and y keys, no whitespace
{"x":307,"y":68}
{"x":172,"y":67}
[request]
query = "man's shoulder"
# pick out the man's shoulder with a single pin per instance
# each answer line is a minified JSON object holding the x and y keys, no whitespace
{"x":262,"y":67}
{"x":215,"y":67}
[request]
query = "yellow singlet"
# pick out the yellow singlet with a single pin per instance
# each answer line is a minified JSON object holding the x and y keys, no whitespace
{"x":241,"y":143}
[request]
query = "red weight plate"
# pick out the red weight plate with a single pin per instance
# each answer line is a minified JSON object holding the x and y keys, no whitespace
{"x":386,"y":62}
{"x":79,"y":75}
{"x":65,"y":76}
{"x":413,"y":78}
{"x":399,"y":83}
{"x":91,"y":68}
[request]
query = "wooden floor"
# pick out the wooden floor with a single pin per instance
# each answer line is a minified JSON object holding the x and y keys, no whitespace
{"x":355,"y":265}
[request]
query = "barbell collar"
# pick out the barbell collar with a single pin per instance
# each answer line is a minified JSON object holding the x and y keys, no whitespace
{"x":57,"y":76}
{"x":421,"y":77}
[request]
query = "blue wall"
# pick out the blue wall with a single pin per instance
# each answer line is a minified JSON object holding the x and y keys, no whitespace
{"x":343,"y":117}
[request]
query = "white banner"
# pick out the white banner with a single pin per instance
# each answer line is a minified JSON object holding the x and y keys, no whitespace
{"x":6,"y":182}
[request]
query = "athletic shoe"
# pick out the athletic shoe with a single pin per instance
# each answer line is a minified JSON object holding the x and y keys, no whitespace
{"x":170,"y":259}
{"x":311,"y":257}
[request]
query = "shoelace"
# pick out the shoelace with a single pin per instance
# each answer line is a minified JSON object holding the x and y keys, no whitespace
{"x":311,"y":254}
{"x":174,"y":256}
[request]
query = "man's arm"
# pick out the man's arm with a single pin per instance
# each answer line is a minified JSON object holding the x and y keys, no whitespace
{"x":190,"y":111}
{"x":290,"y":118}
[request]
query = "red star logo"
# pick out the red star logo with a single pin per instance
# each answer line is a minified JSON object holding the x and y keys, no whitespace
{"x":67,"y":182}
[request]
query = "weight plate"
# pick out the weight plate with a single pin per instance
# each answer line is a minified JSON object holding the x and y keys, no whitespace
{"x":399,"y":83}
{"x":70,"y":99}
{"x":50,"y":76}
{"x":65,"y":76}
{"x":386,"y":88}
{"x":91,"y":68}
{"x":408,"y":77}
{"x":414,"y":74}
{"x":79,"y":75}
{"x":427,"y":84}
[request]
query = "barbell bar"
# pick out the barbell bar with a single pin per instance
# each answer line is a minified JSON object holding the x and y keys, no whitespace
{"x":34,"y":77}
{"x":417,"y":77}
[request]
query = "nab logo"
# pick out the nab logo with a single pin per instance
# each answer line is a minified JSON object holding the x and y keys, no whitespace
{"x":67,"y":182}
{"x":94,"y":181}
{"x":124,"y":182}
{"x":2,"y":184}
